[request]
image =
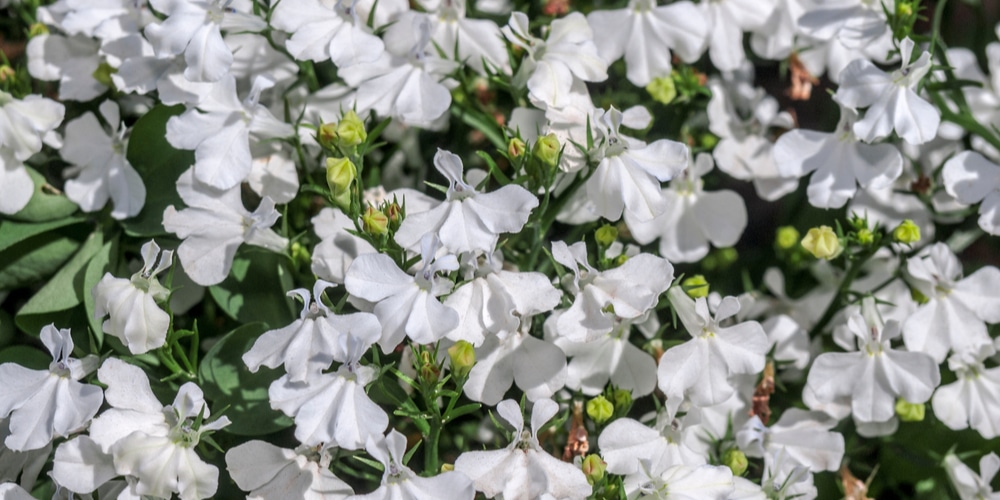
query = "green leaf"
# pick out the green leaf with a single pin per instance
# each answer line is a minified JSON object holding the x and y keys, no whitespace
{"x":227,"y":381}
{"x":100,"y":264}
{"x":463,"y":410}
{"x":44,"y":204}
{"x":7,"y":329}
{"x":54,"y":302}
{"x":159,"y":165}
{"x":26,"y":356}
{"x":35,"y":259}
{"x":13,"y":232}
{"x":255,"y":289}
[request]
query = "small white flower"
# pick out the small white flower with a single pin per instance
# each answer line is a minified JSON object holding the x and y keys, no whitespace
{"x":400,"y":482}
{"x":516,"y":357}
{"x":804,"y":436}
{"x":24,"y":125}
{"x":971,"y":178}
{"x":974,"y":399}
{"x":272,"y":473}
{"x":136,"y":317}
{"x":972,"y":486}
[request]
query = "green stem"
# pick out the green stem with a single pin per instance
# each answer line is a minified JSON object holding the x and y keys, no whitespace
{"x":842,"y":292}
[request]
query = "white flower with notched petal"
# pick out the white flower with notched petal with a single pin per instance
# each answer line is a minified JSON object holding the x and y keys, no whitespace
{"x":971,"y":178}
{"x":670,"y":441}
{"x":804,"y":436}
{"x":44,"y":404}
{"x":727,"y":20}
{"x":537,"y":367}
{"x":968,"y":484}
{"x":523,"y":469}
{"x":892,"y":101}
{"x":477,"y":43}
{"x":399,"y":481}
{"x":974,"y":399}
{"x":323,"y":31}
{"x":24,"y":124}
{"x":136,"y":316}
{"x":272,"y":473}
{"x":664,"y":481}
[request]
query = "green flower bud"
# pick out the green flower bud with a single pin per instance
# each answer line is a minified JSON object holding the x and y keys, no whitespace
{"x":547,"y":150}
{"x":696,"y":286}
{"x":736,"y":461}
{"x":622,"y":398}
{"x":822,"y":242}
{"x":326,"y":135}
{"x":708,"y":141}
{"x":600,"y":409}
{"x":909,"y":412}
{"x":463,"y":357}
{"x":340,"y":174}
{"x":907,"y":232}
{"x":516,"y":147}
{"x":594,"y":468}
{"x":662,"y":89}
{"x":427,"y":368}
{"x":606,"y":235}
{"x":7,"y":73}
{"x":787,"y":237}
{"x":37,"y":29}
{"x":866,"y":236}
{"x":103,"y":74}
{"x":918,"y":296}
{"x":373,"y":221}
{"x":351,"y":130}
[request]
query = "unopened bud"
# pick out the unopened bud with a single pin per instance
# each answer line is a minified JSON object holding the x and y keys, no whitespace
{"x":428,"y":369}
{"x":600,"y":409}
{"x":866,"y":236}
{"x":736,"y":460}
{"x":622,"y":398}
{"x":326,"y":135}
{"x":696,"y":286}
{"x":918,"y":296}
{"x":103,"y":74}
{"x":340,"y":174}
{"x":906,"y":232}
{"x":516,"y":147}
{"x":37,"y":29}
{"x":547,"y":149}
{"x":463,"y":357}
{"x":662,"y":89}
{"x":594,"y":468}
{"x":351,"y":130}
{"x":373,"y":221}
{"x":909,"y":412}
{"x":447,"y":467}
{"x":787,"y":237}
{"x":822,"y":242}
{"x":7,"y":73}
{"x":395,"y":214}
{"x":606,"y":235}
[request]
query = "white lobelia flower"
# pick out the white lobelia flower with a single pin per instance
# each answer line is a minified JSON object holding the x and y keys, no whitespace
{"x":467,"y":221}
{"x":523,"y":469}
{"x":627,"y":291}
{"x":142,"y":72}
{"x":625,"y":442}
{"x":133,"y":304}
{"x":778,"y":38}
{"x":45,"y":404}
{"x":957,"y":310}
{"x":24,"y":125}
{"x":333,"y":409}
{"x":744,"y":117}
{"x":693,"y":217}
{"x":307,"y":345}
{"x":99,"y":158}
{"x":854,"y":23}
{"x":785,"y":479}
{"x":968,"y":484}
{"x":551,"y":66}
{"x":71,"y":61}
{"x":151,"y":442}
{"x":399,"y":481}
{"x":804,"y":436}
{"x":222,"y":156}
{"x":268,"y":472}
{"x":664,"y":481}
{"x":645,"y":33}
{"x":727,"y":20}
{"x":838,"y":161}
{"x":193,"y":27}
{"x":892,"y":101}
{"x":536,"y":366}
{"x":701,"y":369}
{"x":326,"y":30}
{"x":406,"y":306}
{"x":81,"y":466}
{"x":974,"y":399}
{"x":21,"y":466}
{"x":876,"y":374}
{"x":971,"y":178}
{"x":627,"y":179}
{"x":214,"y":225}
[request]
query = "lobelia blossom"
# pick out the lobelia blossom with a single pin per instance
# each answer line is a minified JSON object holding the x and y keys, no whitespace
{"x":694,"y":218}
{"x":630,"y":290}
{"x":974,"y":399}
{"x":467,"y":221}
{"x":551,"y":66}
{"x":99,"y":159}
{"x":516,"y":357}
{"x":804,"y":436}
{"x":625,"y":443}
{"x":324,"y":31}
{"x":307,"y":345}
{"x":193,"y":27}
{"x":268,"y":472}
{"x":853,"y":23}
{"x":153,"y":443}
{"x":222,"y":157}
{"x":679,"y":482}
{"x":337,"y":249}
{"x":968,"y":484}
{"x":214,"y":225}
{"x":838,"y":161}
{"x":81,"y":466}
{"x":727,"y":20}
{"x":133,"y":304}
{"x":24,"y":125}
{"x":875,"y":375}
{"x":971,"y":178}
{"x":21,"y":466}
{"x":523,"y":469}
{"x":957,"y":310}
{"x":891,"y":99}
{"x":643,"y":32}
{"x":627,"y":179}
{"x":399,"y":481}
{"x":333,"y":409}
{"x":45,"y":404}
{"x":71,"y":61}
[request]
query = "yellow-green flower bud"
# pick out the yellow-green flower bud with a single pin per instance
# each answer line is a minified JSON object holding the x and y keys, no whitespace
{"x":516,"y":147}
{"x":787,"y":237}
{"x":373,"y":221}
{"x":904,"y":9}
{"x":822,"y":242}
{"x":708,"y":141}
{"x":395,"y":214}
{"x":427,"y":368}
{"x":866,"y":236}
{"x":606,"y":235}
{"x":351,"y":130}
{"x":326,"y":135}
{"x":37,"y":29}
{"x":103,"y":74}
{"x":600,"y":409}
{"x":906,"y":232}
{"x":7,"y":73}
{"x":594,"y":468}
{"x":463,"y":357}
{"x":662,"y":89}
{"x":447,"y":468}
{"x":340,"y":175}
{"x":736,"y":461}
{"x":918,"y":296}
{"x":909,"y":412}
{"x":621,"y":259}
{"x":696,"y":286}
{"x":622,"y":398}
{"x":547,"y":149}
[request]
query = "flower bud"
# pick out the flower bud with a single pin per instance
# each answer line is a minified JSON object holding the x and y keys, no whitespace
{"x":37,"y":29}
{"x":822,"y":242}
{"x":736,"y":461}
{"x":909,"y":412}
{"x":427,"y":368}
{"x":547,"y":150}
{"x":340,"y":174}
{"x":606,"y":235}
{"x":787,"y":237}
{"x":7,"y":73}
{"x":662,"y":89}
{"x":103,"y":74}
{"x":395,"y":214}
{"x":326,"y":135}
{"x":594,"y":468}
{"x":463,"y":357}
{"x":516,"y":147}
{"x":906,"y":232}
{"x":622,"y":398}
{"x":351,"y":130}
{"x":866,"y":236}
{"x":696,"y":286}
{"x":918,"y":296}
{"x":447,"y":468}
{"x":600,"y":409}
{"x":374,"y":222}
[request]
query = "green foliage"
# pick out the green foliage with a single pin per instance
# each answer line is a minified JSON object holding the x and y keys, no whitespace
{"x":255,"y":289}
